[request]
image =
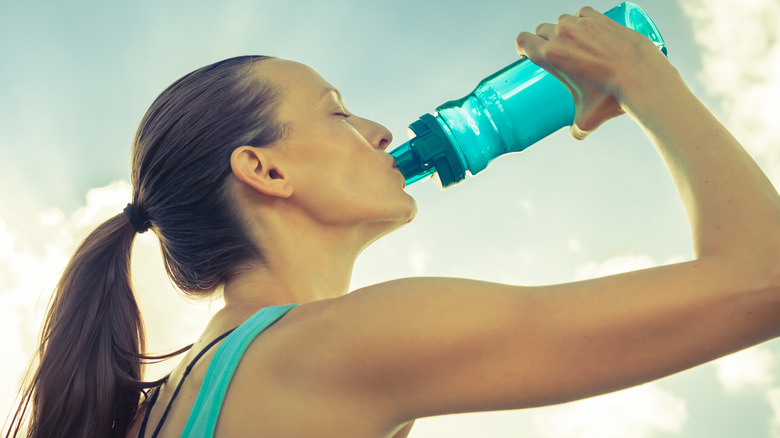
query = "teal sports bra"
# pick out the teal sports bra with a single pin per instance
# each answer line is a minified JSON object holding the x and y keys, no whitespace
{"x":204,"y":415}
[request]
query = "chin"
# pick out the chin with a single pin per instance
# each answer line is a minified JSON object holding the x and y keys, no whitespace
{"x":387,"y":226}
{"x":409,"y":212}
{"x":412,"y":211}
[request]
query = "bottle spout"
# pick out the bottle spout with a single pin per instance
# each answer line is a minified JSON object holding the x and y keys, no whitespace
{"x":430,"y":151}
{"x":412,"y":167}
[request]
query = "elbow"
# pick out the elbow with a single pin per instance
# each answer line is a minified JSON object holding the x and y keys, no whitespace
{"x":761,"y":263}
{"x":754,"y":264}
{"x":771,"y":266}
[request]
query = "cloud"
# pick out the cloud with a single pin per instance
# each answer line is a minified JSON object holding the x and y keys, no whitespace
{"x":740,"y":56}
{"x":615,"y":265}
{"x":419,"y":258}
{"x":751,"y":368}
{"x":21,"y":282}
{"x":483,"y":424}
{"x":620,"y":264}
{"x":636,"y":412}
{"x":13,"y":264}
{"x":773,"y":396}
{"x":27,"y":277}
{"x":526,"y":205}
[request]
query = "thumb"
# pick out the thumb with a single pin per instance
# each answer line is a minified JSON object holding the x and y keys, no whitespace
{"x":529,"y":46}
{"x":578,"y":133}
{"x":590,"y":115}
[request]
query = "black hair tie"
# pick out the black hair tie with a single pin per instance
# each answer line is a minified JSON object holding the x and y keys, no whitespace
{"x":140,"y":221}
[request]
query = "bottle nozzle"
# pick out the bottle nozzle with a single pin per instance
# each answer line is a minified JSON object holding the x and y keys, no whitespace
{"x":410,"y":164}
{"x":429,"y":151}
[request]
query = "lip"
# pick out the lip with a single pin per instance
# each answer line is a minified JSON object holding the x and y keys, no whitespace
{"x":403,"y":178}
{"x":395,"y":166}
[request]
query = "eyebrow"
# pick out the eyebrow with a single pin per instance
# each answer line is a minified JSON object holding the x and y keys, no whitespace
{"x":329,"y":90}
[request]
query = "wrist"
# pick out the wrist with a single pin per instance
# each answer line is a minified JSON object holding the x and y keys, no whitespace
{"x":648,"y":83}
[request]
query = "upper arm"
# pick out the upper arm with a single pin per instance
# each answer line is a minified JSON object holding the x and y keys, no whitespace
{"x":426,"y":346}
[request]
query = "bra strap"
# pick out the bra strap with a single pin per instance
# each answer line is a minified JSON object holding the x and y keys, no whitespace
{"x":142,"y":431}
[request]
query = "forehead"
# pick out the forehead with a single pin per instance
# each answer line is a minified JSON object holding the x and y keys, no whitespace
{"x":298,"y":82}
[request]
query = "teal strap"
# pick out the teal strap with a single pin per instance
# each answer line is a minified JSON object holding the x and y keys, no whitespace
{"x":205,"y":413}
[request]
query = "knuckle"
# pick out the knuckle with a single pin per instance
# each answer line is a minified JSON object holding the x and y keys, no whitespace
{"x":566,"y":18}
{"x":553,"y":54}
{"x":522,"y":37}
{"x":567,"y":30}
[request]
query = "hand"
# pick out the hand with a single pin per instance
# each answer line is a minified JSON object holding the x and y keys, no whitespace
{"x":593,"y":56}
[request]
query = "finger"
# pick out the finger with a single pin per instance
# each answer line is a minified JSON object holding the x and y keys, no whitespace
{"x":577,"y":133}
{"x":587,"y":11}
{"x":545,"y":30}
{"x":528,"y":45}
{"x":567,"y":18}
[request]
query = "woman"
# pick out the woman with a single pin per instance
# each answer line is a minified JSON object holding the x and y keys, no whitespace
{"x":259,"y":183}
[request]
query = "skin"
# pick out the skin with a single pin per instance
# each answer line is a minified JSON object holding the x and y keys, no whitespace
{"x":367,"y":363}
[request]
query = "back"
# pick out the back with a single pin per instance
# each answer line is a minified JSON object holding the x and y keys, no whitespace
{"x":263,"y":398}
{"x":205,"y":413}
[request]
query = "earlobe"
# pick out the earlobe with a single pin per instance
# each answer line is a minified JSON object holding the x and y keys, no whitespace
{"x":256,"y":168}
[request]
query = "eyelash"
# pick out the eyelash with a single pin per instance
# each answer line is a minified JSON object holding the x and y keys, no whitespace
{"x":342,"y":115}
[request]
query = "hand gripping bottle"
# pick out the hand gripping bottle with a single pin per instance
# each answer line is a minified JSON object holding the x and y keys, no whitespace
{"x":507,"y":112}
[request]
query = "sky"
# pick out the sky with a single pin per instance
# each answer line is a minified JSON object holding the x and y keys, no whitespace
{"x":76,"y":78}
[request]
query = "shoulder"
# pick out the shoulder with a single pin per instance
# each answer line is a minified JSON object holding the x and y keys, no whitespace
{"x":289,"y":367}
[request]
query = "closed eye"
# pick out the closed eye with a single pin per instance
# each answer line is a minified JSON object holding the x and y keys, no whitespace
{"x":345,"y":115}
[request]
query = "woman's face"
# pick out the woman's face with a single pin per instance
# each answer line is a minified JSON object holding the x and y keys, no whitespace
{"x":336,"y":161}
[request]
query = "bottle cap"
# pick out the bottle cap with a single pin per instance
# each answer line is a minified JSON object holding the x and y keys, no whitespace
{"x":410,"y":164}
{"x":429,"y":151}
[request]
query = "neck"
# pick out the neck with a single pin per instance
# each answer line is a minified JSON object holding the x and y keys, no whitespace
{"x":302,"y":264}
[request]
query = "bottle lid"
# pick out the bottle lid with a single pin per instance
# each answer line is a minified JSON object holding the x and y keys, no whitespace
{"x":410,"y":164}
{"x":429,"y":151}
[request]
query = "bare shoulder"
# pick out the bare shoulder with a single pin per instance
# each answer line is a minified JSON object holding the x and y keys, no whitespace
{"x":418,"y":347}
{"x":283,"y":371}
{"x":368,"y":342}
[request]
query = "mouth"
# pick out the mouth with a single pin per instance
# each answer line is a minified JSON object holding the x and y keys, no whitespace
{"x":403,"y":178}
{"x":395,"y":166}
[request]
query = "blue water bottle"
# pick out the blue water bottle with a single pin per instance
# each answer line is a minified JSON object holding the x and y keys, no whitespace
{"x":507,"y":112}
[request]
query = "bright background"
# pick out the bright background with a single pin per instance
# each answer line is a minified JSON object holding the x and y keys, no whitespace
{"x":76,"y":77}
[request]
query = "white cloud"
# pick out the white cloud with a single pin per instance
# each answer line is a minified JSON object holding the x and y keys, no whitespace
{"x":419,"y":259}
{"x":102,"y":203}
{"x":483,"y":424}
{"x":171,"y":322}
{"x":21,"y":282}
{"x":13,"y":264}
{"x":615,"y":265}
{"x":740,"y":56}
{"x":773,"y":396}
{"x":636,"y":412}
{"x":751,"y":368}
{"x":620,"y":264}
{"x":526,"y":205}
{"x":27,"y":277}
{"x":639,"y":412}
{"x":15,"y":356}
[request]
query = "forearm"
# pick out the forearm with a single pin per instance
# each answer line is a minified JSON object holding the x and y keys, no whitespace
{"x":732,"y":207}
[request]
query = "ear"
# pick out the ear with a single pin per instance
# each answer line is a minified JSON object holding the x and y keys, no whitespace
{"x":255,"y":167}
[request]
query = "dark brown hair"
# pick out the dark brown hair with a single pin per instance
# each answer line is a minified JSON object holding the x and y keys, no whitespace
{"x":88,"y":380}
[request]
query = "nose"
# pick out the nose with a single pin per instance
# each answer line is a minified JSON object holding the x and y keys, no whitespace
{"x":379,"y":136}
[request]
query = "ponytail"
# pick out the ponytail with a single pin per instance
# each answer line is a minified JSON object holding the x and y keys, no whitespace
{"x":89,"y":363}
{"x":88,"y":377}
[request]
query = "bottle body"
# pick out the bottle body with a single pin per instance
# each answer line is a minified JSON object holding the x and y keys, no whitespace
{"x":507,"y":112}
